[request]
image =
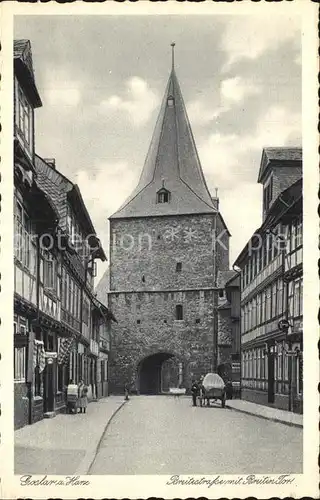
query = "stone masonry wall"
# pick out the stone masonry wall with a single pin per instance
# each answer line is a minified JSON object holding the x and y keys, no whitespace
{"x":145,"y":288}
{"x":158,"y":331}
{"x":224,"y":335}
{"x":151,"y":247}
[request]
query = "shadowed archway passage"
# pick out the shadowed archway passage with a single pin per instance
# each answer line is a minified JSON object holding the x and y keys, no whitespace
{"x":150,"y":373}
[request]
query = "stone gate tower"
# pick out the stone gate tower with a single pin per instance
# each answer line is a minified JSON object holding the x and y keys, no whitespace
{"x":164,"y":261}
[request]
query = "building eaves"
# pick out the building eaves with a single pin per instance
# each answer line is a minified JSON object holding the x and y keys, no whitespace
{"x":284,"y":155}
{"x":59,"y":188}
{"x":23,"y":67}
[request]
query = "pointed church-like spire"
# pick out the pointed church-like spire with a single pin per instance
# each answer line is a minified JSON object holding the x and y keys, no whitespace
{"x":172,"y":181}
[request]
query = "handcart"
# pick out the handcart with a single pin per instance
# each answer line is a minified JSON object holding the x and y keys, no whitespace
{"x":72,"y":398}
{"x":212,"y":388}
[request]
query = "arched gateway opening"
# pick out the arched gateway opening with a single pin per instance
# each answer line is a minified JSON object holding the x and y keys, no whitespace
{"x":158,"y":372}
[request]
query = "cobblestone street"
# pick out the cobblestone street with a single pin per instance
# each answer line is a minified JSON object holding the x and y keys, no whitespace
{"x":163,"y":435}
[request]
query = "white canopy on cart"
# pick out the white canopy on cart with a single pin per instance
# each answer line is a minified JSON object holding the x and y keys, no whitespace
{"x":213,"y":381}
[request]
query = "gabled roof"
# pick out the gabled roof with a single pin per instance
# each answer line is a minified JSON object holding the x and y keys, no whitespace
{"x":23,"y":67}
{"x":172,"y":162}
{"x":281,"y":155}
{"x":60,"y":188}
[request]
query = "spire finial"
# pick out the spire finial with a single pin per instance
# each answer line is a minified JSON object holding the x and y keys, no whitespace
{"x":173,"y":45}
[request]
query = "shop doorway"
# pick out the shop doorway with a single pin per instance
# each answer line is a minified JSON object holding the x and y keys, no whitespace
{"x":49,"y":388}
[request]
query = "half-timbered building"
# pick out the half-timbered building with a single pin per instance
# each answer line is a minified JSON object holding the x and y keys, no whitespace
{"x":271,"y":288}
{"x":57,"y":319}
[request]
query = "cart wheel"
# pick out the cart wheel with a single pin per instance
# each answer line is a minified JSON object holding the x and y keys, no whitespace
{"x":223,"y":401}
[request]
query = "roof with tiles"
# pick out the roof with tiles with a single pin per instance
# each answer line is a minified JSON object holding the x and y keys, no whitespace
{"x":52,"y":182}
{"x":23,"y":68}
{"x":103,"y":288}
{"x":172,"y":163}
{"x":224,"y":276}
{"x":283,"y":156}
{"x":284,"y":153}
{"x":60,"y":189}
{"x":22,"y":50}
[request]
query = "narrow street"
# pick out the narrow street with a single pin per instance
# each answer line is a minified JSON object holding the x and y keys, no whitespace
{"x":163,"y":435}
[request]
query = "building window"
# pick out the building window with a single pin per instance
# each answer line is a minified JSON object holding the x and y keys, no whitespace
{"x":254,"y":312}
{"x":49,"y":272}
{"x":299,"y":234}
{"x":263,"y":306}
{"x":179,"y":312}
{"x":274,"y":310}
{"x":22,"y":230}
{"x":85,"y":312}
{"x":163,"y":196}
{"x":24,"y":117}
{"x":297,"y":301}
{"x":270,"y":246}
{"x":280,"y":297}
{"x":264,"y":253}
{"x":290,"y":299}
{"x":75,"y":234}
{"x":20,"y":364}
{"x":267,"y":194}
{"x":178,"y":267}
{"x":268,"y":304}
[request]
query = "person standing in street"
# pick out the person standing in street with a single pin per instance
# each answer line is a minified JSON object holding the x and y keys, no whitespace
{"x":83,"y":396}
{"x":194,"y":392}
{"x":126,"y":392}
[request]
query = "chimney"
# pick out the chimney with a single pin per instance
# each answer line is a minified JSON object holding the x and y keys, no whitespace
{"x":51,"y":162}
{"x":215,"y":201}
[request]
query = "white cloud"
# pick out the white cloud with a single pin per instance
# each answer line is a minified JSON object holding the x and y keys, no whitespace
{"x":236,"y":89}
{"x":103,"y":193}
{"x":139,"y":104}
{"x":241,"y":209}
{"x":225,"y":158}
{"x":248,"y":37}
{"x":232,"y":90}
{"x":60,"y":90}
{"x":200,"y":114}
{"x":278,"y":127}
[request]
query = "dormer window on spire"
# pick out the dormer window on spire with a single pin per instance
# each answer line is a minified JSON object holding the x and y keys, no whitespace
{"x":163,"y":196}
{"x":170,"y":101}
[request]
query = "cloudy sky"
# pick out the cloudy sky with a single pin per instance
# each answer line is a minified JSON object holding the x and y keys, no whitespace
{"x":101,"y":80}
